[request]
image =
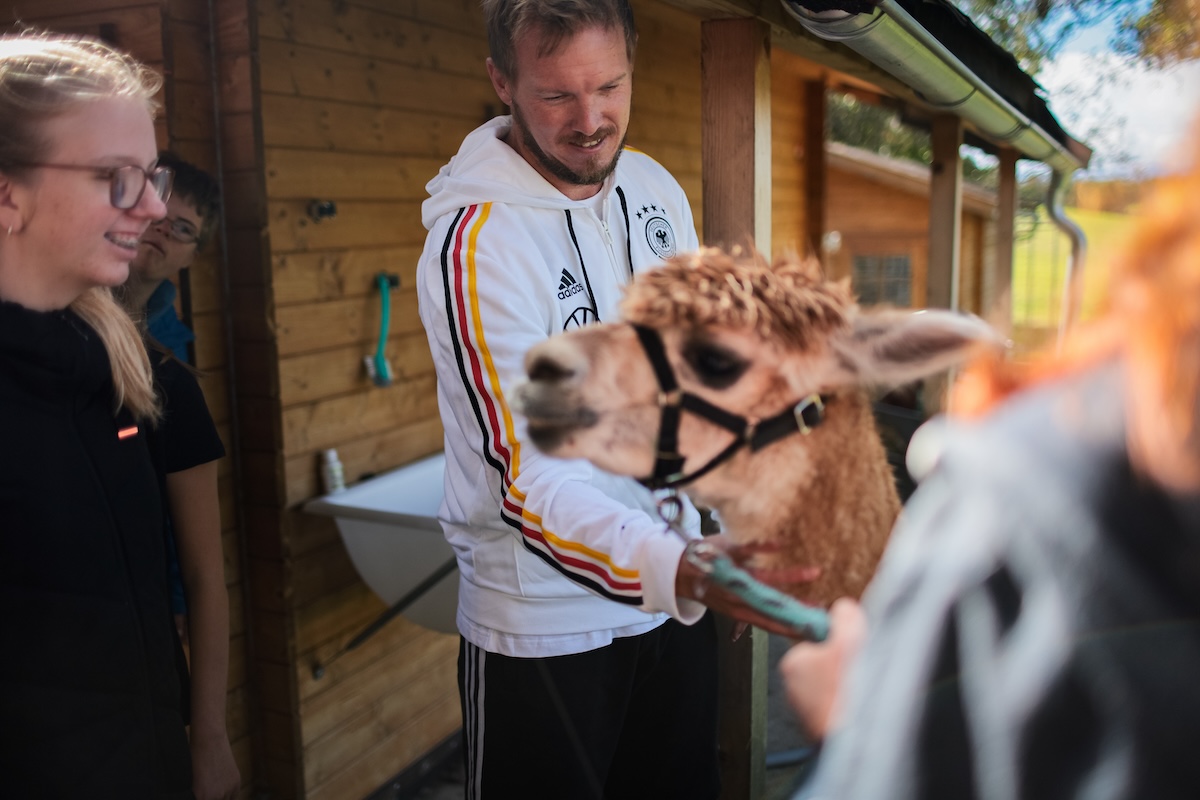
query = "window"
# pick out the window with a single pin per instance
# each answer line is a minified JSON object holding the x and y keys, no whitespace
{"x":883,"y":279}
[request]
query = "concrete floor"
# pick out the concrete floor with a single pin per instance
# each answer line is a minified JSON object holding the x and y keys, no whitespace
{"x":783,"y":735}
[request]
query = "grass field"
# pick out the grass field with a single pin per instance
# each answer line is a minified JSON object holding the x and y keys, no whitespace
{"x":1040,"y":260}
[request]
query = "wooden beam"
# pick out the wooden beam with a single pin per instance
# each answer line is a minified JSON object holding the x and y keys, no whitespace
{"x":735,"y":138}
{"x":735,"y":110}
{"x":815,"y":168}
{"x":998,"y":300}
{"x":945,"y":213}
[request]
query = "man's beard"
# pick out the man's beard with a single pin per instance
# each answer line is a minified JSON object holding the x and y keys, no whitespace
{"x":557,"y":168}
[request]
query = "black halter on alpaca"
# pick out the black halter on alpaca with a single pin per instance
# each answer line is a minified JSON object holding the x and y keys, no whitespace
{"x":668,"y":464}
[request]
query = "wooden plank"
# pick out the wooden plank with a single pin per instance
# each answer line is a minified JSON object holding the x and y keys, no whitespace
{"x":945,"y":212}
{"x":30,"y":10}
{"x":235,"y":70}
{"x":736,"y":113}
{"x":335,"y":617}
{"x":997,"y":298}
{"x":190,"y":115}
{"x":358,"y":224}
{"x":347,"y":176}
{"x":272,"y":642}
{"x":303,"y":122}
{"x":336,"y":274}
{"x":321,"y":572}
{"x":136,"y":28}
{"x":315,"y":376}
{"x":233,"y":25}
{"x":237,"y":661}
{"x":371,"y":454}
{"x":315,"y":326}
{"x":240,"y":149}
{"x":299,"y":70}
{"x":279,"y":737}
{"x":187,"y":52}
{"x":210,"y":341}
{"x":323,"y":714}
{"x":815,"y":170}
{"x":308,"y":532}
{"x":376,"y":765}
{"x":392,"y":713}
{"x":276,"y":690}
{"x":455,"y":14}
{"x":347,"y":28}
{"x":391,"y":642}
{"x":328,"y":423}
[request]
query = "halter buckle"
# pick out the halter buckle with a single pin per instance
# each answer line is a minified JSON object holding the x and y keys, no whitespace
{"x":671,"y":399}
{"x":807,"y":406}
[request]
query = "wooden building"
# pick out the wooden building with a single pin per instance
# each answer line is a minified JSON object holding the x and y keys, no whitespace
{"x":877,"y":230}
{"x":358,"y":103}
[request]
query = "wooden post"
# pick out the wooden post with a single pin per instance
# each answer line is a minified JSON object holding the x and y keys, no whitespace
{"x":945,"y":235}
{"x":814,"y":168}
{"x":999,"y":303}
{"x":735,"y":138}
{"x":945,"y":213}
{"x":735,"y":112}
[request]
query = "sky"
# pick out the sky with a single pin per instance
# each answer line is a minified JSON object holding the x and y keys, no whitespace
{"x":1132,"y":116}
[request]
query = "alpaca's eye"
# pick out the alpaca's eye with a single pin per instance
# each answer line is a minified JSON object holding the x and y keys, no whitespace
{"x":714,"y":366}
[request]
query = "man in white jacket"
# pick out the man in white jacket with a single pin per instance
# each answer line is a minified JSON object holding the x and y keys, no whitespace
{"x":581,"y":673}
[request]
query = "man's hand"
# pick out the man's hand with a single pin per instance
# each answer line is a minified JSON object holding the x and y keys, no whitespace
{"x":693,"y":583}
{"x":813,"y":674}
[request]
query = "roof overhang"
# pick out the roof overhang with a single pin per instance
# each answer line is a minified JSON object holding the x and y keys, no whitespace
{"x":951,"y":66}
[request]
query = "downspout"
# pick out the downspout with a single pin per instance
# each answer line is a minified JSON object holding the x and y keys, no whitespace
{"x":889,"y":37}
{"x":1072,"y":297}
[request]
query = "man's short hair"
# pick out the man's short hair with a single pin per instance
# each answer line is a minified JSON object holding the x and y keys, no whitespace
{"x":198,"y":188}
{"x":557,"y":20}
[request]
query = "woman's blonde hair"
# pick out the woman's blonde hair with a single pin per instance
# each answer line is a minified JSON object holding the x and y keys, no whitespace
{"x":42,"y":76}
{"x":1151,"y":319}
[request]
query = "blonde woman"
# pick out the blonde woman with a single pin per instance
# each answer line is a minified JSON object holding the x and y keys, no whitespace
{"x":90,"y":695}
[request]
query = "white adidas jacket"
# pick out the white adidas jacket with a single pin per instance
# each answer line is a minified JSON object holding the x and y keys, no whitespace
{"x":545,"y":546}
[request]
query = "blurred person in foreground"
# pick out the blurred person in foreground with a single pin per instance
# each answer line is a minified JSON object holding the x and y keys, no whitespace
{"x":1034,"y":628}
{"x":90,"y":694}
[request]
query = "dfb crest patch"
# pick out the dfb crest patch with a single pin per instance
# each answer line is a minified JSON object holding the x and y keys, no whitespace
{"x":580,"y":317}
{"x":660,"y":237}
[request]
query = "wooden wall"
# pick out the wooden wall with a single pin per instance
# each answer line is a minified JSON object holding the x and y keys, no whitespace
{"x":790,"y":75}
{"x":360,"y":103}
{"x":172,"y":36}
{"x":876,"y":217}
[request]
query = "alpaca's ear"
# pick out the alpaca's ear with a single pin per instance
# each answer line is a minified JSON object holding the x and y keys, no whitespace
{"x":889,"y":347}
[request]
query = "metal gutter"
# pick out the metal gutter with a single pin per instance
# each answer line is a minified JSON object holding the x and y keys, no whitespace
{"x":891,"y":39}
{"x":888,"y":36}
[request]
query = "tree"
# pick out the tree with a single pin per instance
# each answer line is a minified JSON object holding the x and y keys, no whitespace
{"x":1157,"y":32}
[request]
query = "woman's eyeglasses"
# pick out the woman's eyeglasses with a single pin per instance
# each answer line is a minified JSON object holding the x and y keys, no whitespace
{"x":126,"y":184}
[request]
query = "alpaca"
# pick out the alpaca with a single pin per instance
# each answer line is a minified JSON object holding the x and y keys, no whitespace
{"x":784,"y":350}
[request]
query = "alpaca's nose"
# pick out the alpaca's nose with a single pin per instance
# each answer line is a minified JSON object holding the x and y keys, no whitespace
{"x":545,"y":368}
{"x":553,"y":361}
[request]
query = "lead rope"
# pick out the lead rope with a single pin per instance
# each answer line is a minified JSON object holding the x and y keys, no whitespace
{"x":807,"y":622}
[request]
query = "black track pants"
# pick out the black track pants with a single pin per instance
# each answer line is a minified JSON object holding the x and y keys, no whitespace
{"x":635,"y":719}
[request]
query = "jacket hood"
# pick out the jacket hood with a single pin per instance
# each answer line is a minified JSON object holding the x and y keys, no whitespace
{"x":486,"y":170}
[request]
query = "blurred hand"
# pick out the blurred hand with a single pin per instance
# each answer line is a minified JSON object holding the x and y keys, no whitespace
{"x":813,"y":673}
{"x":693,"y":583}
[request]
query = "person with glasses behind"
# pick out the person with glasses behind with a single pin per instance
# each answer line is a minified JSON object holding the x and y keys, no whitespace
{"x":186,"y":448}
{"x":89,"y":693}
{"x":168,"y":247}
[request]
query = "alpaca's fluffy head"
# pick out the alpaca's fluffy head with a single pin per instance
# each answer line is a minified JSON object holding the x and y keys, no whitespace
{"x":787,"y":301}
